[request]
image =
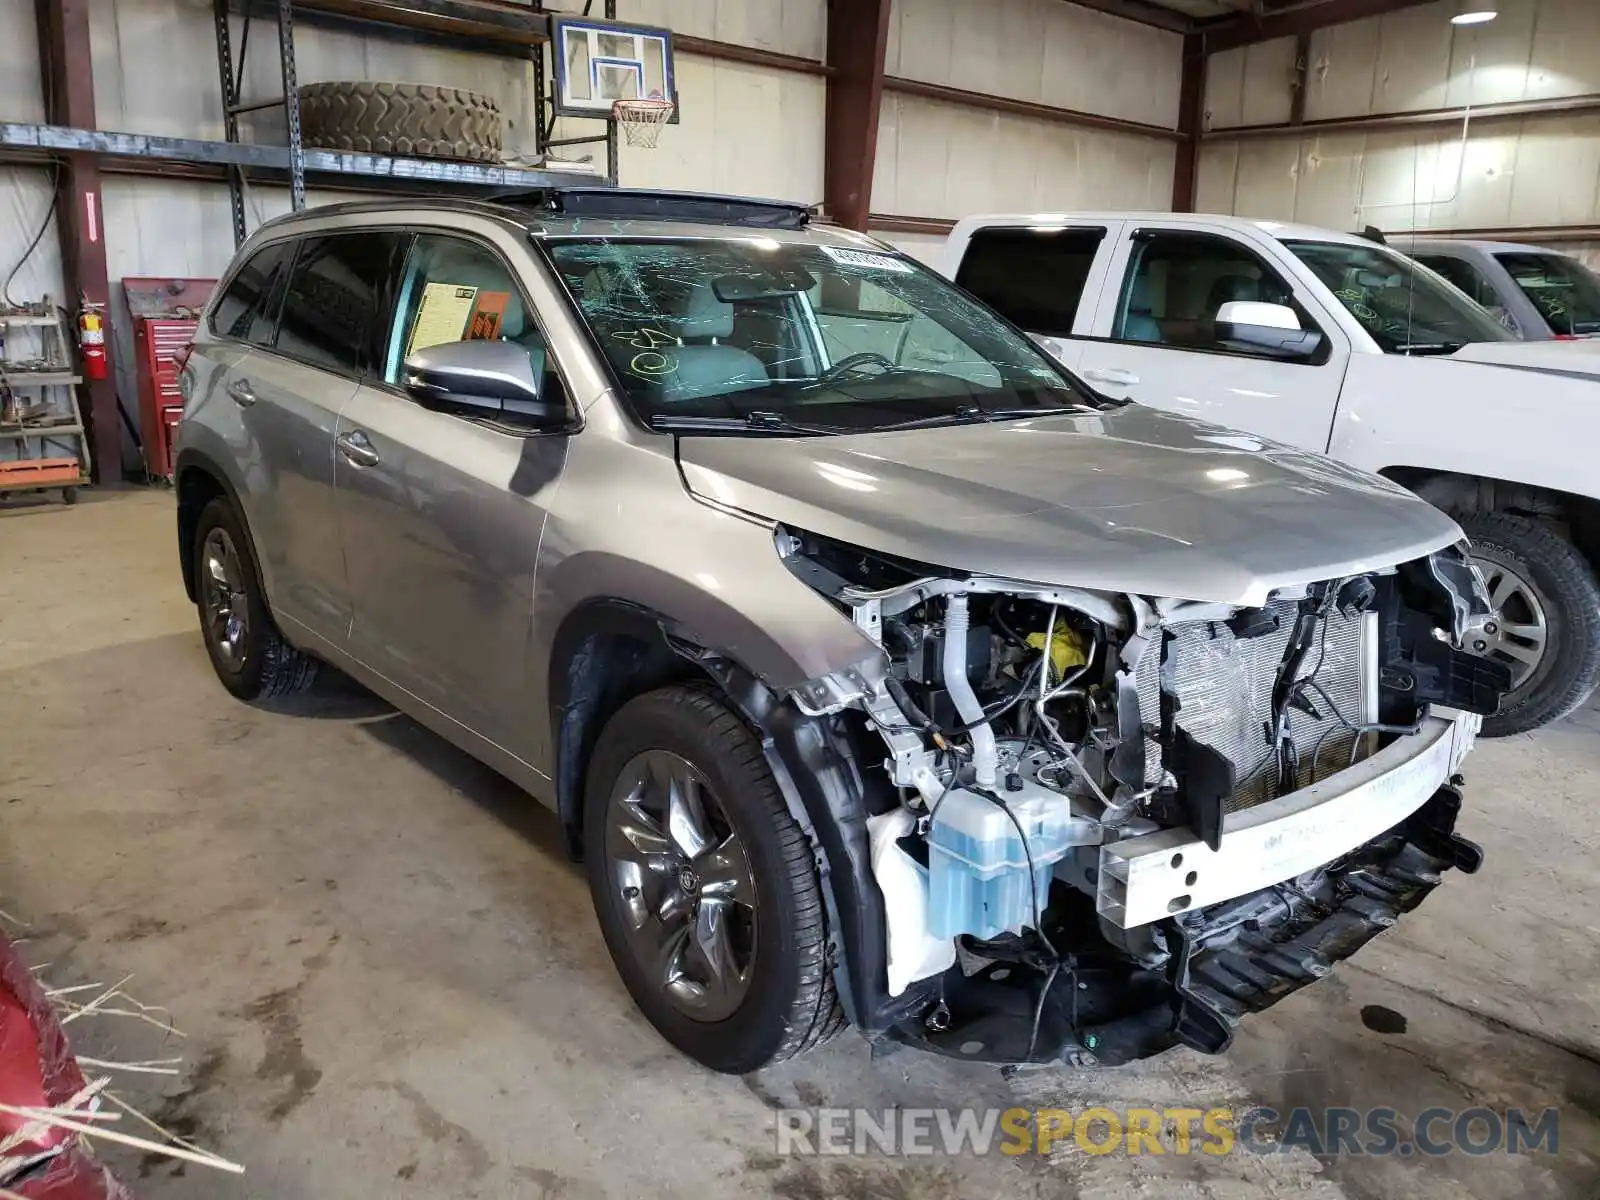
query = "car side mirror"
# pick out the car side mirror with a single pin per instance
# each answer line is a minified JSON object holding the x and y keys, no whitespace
{"x":1270,"y":330}
{"x":499,"y":381}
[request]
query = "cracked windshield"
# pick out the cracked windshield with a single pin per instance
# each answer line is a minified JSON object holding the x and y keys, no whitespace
{"x":1406,"y":310}
{"x":754,"y":333}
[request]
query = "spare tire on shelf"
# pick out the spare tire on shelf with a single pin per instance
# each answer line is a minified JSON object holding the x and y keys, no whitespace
{"x":410,"y":120}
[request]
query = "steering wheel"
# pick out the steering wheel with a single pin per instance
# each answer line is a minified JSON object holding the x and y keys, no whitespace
{"x":852,"y":364}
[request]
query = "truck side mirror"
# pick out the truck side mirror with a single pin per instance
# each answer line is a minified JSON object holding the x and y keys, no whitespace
{"x":1267,"y":330}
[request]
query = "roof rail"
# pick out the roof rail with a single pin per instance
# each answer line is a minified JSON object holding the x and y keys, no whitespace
{"x":643,"y":203}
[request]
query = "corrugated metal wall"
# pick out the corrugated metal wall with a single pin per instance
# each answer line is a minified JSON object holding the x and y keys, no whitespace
{"x":743,"y":129}
{"x":155,"y":72}
{"x":937,"y":159}
{"x":1490,"y":172}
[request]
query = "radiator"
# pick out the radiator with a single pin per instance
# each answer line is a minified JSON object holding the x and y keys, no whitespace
{"x":1224,"y":690}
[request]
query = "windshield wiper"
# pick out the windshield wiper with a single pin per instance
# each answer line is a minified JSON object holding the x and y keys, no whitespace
{"x":753,"y":422}
{"x":1428,"y":347}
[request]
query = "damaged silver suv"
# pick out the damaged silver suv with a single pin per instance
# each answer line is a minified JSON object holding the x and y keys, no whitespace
{"x":881,"y":671}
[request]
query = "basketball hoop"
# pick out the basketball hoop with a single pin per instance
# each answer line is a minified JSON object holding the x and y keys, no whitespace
{"x":641,"y":120}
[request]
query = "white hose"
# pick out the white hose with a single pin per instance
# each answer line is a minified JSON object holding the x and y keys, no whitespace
{"x":985,"y":760}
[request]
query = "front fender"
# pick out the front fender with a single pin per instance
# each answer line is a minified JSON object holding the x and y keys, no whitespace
{"x":1443,"y":414}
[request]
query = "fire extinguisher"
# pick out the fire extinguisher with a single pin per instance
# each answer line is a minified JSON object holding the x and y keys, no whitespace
{"x":92,"y":340}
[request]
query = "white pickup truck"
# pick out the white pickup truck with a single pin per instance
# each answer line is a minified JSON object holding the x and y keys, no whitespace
{"x":1338,"y":343}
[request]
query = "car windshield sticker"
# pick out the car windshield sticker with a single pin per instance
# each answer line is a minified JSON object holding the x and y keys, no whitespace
{"x":872,"y":262}
{"x":443,"y":315}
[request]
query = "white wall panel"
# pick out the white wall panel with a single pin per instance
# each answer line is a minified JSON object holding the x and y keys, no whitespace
{"x":945,"y":160}
{"x":1415,"y":59}
{"x":796,"y":27}
{"x":1250,"y":85}
{"x":1042,"y":51}
{"x":924,"y":247}
{"x":1508,"y":173}
{"x":21,"y":94}
{"x":24,"y":201}
{"x":137,"y":45}
{"x":748,"y":130}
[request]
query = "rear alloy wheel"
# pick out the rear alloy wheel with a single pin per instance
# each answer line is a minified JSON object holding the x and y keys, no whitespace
{"x":705,"y":887}
{"x":1548,"y":632}
{"x":249,"y":654}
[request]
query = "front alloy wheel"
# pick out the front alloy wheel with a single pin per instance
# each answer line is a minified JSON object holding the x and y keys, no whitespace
{"x":1547,"y":625}
{"x":705,"y":887}
{"x":683,"y":884}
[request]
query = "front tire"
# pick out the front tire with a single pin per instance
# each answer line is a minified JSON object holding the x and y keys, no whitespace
{"x":246,"y":648}
{"x":704,"y":885}
{"x":1549,"y":632}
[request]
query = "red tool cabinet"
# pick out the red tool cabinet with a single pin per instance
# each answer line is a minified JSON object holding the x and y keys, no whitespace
{"x":165,"y":316}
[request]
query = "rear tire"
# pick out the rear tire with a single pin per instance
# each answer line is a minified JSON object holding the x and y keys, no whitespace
{"x":1540,"y":577}
{"x":786,"y":1004}
{"x":246,"y":648}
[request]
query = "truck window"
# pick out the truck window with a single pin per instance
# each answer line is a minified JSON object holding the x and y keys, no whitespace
{"x":1471,"y":281}
{"x":1033,"y":277}
{"x":1566,"y":293}
{"x":1177,"y":282}
{"x":1405,"y":310}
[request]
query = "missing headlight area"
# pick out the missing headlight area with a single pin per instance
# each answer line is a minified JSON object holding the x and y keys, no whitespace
{"x":1124,"y":821}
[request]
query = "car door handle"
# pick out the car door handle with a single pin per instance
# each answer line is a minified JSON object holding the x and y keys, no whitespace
{"x":357,"y":449}
{"x":240,"y":392}
{"x":1113,"y":375}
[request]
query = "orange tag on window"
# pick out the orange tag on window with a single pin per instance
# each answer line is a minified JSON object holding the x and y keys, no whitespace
{"x":487,"y":317}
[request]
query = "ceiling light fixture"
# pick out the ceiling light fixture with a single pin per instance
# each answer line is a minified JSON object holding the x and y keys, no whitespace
{"x":1474,"y":16}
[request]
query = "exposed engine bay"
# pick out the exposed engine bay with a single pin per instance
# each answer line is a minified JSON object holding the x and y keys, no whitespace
{"x":1124,"y":821}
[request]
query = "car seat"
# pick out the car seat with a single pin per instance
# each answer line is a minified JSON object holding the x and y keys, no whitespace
{"x":1139,"y":325}
{"x":701,"y":366}
{"x":1230,"y":288}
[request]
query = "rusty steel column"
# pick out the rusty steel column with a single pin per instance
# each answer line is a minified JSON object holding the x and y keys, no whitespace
{"x":858,"y":36}
{"x":1191,"y":116}
{"x":69,"y":100}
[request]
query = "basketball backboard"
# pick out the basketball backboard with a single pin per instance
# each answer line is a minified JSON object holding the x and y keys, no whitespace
{"x":598,"y":63}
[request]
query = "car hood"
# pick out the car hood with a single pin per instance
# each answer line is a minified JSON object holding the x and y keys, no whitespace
{"x":1581,"y":357}
{"x":1131,"y":500}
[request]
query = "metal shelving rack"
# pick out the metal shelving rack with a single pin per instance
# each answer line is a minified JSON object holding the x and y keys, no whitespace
{"x":488,"y":26}
{"x":48,"y":453}
{"x":494,"y":27}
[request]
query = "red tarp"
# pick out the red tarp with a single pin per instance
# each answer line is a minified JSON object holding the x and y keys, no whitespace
{"x":37,"y":1070}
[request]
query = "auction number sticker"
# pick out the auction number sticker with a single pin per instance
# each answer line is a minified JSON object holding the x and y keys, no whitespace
{"x":863,"y":258}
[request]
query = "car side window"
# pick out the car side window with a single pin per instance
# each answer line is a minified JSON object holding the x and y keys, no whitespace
{"x":336,"y":299}
{"x":248,"y":309}
{"x":1178,"y":282}
{"x":1470,"y":280}
{"x":454,"y":289}
{"x":1032,"y":277}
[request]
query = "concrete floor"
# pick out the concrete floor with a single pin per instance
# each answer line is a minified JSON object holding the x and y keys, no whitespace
{"x":392,"y":983}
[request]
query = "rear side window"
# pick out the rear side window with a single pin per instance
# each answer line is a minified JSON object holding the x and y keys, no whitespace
{"x":1461,"y":273}
{"x":1566,"y":293}
{"x":336,"y":304}
{"x":1471,"y":281}
{"x":247,"y":309}
{"x":1033,"y":277}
